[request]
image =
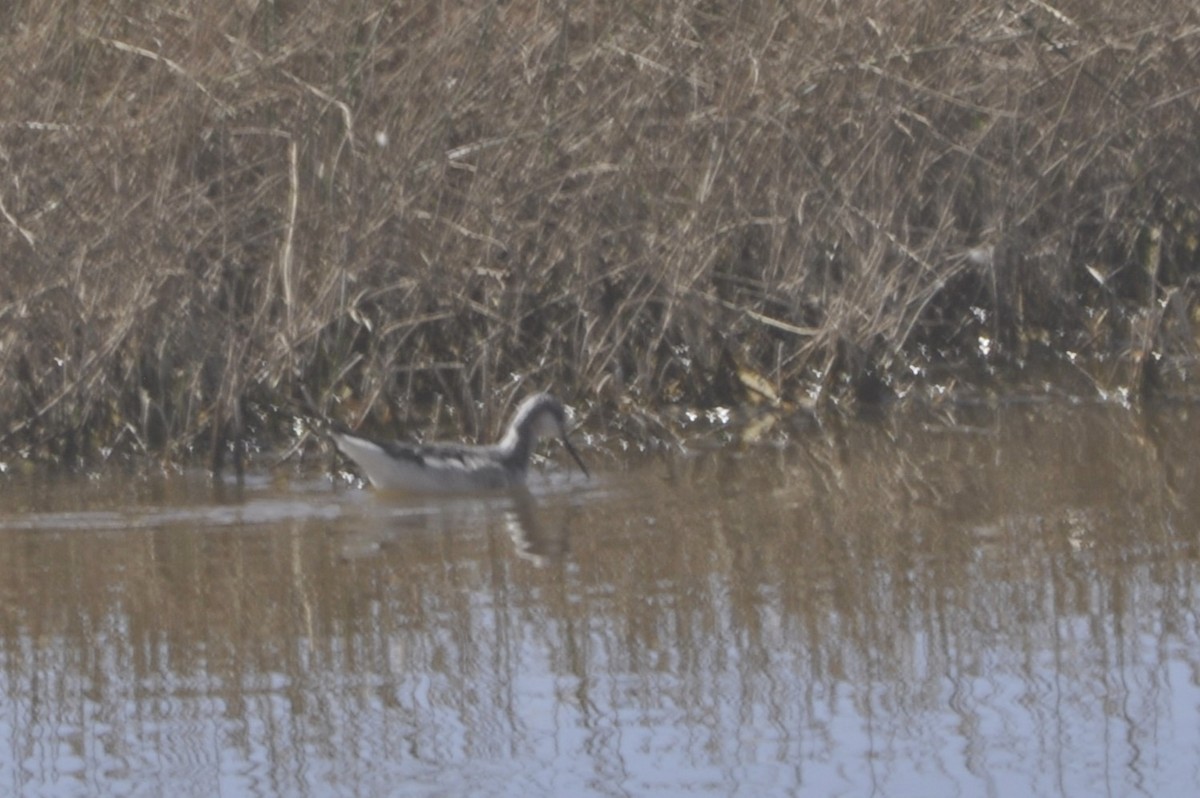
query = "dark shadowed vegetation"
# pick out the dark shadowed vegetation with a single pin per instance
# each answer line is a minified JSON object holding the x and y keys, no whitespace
{"x":411,"y":207}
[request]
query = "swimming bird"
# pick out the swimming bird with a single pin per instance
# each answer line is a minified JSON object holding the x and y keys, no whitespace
{"x":455,"y":467}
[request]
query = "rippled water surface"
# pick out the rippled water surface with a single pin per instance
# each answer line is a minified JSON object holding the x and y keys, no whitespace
{"x":996,"y":602}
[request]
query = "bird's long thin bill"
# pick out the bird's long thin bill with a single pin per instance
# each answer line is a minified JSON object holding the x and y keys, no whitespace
{"x":575,"y":454}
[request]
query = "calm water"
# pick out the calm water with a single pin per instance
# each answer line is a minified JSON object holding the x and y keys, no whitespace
{"x":999,"y":602}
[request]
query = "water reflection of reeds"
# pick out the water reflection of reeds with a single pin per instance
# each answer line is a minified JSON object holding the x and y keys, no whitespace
{"x":988,"y":601}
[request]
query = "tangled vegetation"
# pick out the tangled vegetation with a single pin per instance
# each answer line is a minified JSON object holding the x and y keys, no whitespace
{"x":408,"y":206}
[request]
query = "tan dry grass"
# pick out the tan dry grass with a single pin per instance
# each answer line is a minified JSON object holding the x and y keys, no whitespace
{"x":397,"y":204}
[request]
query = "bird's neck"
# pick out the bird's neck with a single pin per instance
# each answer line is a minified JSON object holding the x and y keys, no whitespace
{"x":516,"y":448}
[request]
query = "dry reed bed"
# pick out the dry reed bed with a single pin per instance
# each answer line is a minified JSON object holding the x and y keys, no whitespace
{"x":204,"y":205}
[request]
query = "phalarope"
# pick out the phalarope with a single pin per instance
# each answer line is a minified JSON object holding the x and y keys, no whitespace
{"x":455,"y":467}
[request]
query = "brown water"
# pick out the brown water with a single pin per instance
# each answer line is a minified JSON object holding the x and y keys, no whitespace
{"x":1002,"y":602}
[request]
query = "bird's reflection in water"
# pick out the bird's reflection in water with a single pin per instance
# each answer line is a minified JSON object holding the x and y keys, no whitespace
{"x":533,"y":540}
